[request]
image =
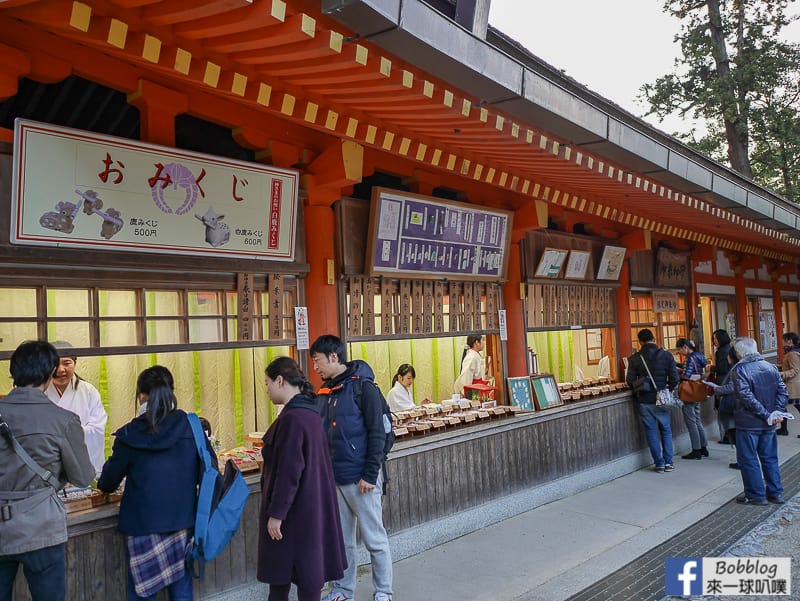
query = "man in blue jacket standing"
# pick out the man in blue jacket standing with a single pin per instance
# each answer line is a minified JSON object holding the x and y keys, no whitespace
{"x":759,"y":391}
{"x":356,"y":438}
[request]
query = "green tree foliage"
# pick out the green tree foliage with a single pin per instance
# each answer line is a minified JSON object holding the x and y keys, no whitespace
{"x":736,"y":74}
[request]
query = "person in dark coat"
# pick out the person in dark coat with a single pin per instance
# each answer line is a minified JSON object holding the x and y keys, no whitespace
{"x":299,"y":535}
{"x":722,"y":348}
{"x":157,"y":455}
{"x":655,"y":362}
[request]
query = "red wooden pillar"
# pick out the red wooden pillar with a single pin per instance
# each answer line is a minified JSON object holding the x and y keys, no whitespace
{"x":624,"y":317}
{"x":158,"y":107}
{"x":741,"y":302}
{"x":516,"y":345}
{"x":320,"y":226}
{"x":778,"y":305}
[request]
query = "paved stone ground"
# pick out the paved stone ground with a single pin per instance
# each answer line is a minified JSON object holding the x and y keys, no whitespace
{"x":777,"y":536}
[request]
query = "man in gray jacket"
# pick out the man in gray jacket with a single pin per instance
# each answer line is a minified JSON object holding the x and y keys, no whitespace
{"x":53,"y":438}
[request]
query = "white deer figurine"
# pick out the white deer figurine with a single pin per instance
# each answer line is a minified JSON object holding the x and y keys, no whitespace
{"x":217,"y":233}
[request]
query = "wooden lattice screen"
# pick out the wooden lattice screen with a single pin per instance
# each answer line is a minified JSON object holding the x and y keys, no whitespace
{"x":559,"y":305}
{"x":378,"y":307}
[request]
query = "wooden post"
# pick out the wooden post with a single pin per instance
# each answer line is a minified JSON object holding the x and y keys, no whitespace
{"x":624,"y":315}
{"x":516,"y":345}
{"x":741,"y":302}
{"x":778,"y":307}
{"x":321,"y":297}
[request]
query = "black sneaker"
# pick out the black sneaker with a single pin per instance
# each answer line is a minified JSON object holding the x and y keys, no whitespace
{"x":779,"y":500}
{"x":704,"y":452}
{"x":695,"y":454}
{"x":745,"y":501}
{"x":733,"y":466}
{"x":669,"y":467}
{"x":660,"y":469}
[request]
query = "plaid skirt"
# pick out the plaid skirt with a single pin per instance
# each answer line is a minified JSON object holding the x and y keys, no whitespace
{"x":157,"y":560}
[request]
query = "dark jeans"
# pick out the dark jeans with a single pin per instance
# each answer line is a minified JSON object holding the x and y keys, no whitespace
{"x":658,"y":432}
{"x":757,"y":455}
{"x":44,"y":569}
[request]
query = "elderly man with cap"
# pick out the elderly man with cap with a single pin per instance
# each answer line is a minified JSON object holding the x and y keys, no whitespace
{"x":71,"y":392}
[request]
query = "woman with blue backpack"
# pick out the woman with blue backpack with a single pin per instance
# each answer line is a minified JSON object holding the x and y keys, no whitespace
{"x":157,"y":455}
{"x":300,"y":534}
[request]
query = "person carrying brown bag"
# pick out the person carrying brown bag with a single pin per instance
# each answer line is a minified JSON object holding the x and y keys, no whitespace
{"x":790,"y":372}
{"x":693,"y":365}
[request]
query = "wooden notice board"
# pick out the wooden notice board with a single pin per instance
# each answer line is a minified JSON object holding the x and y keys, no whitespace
{"x":428,"y":237}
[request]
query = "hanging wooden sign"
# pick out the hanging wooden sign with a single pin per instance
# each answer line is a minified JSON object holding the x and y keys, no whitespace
{"x":430,"y":237}
{"x":672,"y":268}
{"x":244,"y":295}
{"x":85,"y":190}
{"x":276,"y":286}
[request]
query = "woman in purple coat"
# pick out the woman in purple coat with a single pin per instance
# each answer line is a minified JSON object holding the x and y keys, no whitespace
{"x":300,"y":536}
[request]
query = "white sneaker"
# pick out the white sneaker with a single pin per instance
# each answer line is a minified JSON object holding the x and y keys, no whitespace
{"x":381,"y":597}
{"x":336,"y":596}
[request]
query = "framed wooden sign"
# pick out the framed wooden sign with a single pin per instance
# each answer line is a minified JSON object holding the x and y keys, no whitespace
{"x":672,"y":268}
{"x":551,"y":262}
{"x":520,"y":392}
{"x":107,"y":193}
{"x":611,"y":263}
{"x":545,"y":391}
{"x":429,"y":237}
{"x":577,"y":264}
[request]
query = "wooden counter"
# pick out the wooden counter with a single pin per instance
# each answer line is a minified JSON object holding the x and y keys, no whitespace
{"x":431,"y":477}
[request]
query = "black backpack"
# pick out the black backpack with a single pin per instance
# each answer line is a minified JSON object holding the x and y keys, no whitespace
{"x":358,"y":384}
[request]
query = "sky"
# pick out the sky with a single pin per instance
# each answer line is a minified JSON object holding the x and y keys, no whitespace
{"x":611,"y":46}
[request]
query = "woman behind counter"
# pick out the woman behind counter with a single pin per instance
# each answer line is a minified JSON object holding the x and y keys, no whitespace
{"x":400,"y":397}
{"x":473,"y":366}
{"x":156,"y":453}
{"x":299,"y":535}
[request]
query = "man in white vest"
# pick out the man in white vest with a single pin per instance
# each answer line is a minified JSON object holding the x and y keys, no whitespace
{"x":71,"y":392}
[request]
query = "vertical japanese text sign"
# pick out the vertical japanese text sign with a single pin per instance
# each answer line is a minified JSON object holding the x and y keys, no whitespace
{"x":245,"y":312}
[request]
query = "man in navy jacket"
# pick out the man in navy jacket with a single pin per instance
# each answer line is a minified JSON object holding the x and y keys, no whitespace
{"x":655,"y":420}
{"x":356,"y":438}
{"x":759,"y":391}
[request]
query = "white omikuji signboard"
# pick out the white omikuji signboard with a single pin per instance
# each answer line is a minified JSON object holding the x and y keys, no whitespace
{"x":80,"y":189}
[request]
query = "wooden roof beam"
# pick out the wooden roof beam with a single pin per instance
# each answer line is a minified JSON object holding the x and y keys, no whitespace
{"x":295,"y":31}
{"x":339,"y":166}
{"x":269,"y":150}
{"x":741,"y":263}
{"x":532,"y":215}
{"x":636,"y":241}
{"x":777,"y":269}
{"x":423,"y":182}
{"x":233,"y":21}
{"x":15,"y":64}
{"x":176,"y":11}
{"x":158,"y":106}
{"x":704,"y":253}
